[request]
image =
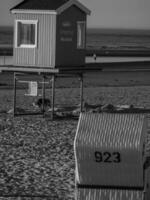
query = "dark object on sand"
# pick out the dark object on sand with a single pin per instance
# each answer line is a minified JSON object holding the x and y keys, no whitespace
{"x":108,"y":107}
{"x":40,"y":102}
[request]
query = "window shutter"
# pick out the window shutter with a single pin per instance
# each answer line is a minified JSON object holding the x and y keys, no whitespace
{"x":81,"y":35}
{"x":32,"y":37}
{"x":18,"y":33}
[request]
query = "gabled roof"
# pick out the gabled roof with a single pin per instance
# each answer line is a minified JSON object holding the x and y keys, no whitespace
{"x":48,"y":5}
{"x":40,"y":4}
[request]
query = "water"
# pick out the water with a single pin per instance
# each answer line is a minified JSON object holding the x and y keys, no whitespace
{"x":118,"y":39}
{"x":101,"y":39}
{"x":122,"y":39}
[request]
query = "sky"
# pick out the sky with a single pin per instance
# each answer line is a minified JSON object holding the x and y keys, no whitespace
{"x":104,"y":13}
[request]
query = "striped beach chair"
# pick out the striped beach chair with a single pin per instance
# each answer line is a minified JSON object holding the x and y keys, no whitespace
{"x":110,"y":157}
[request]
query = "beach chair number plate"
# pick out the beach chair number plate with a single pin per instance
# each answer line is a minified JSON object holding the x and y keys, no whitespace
{"x":107,"y":157}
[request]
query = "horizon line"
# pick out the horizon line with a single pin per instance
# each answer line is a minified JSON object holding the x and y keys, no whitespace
{"x":97,"y":27}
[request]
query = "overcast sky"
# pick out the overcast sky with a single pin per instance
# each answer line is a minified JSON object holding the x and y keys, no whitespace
{"x":105,"y":13}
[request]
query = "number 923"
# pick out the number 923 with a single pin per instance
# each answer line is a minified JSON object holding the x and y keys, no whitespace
{"x":107,"y":157}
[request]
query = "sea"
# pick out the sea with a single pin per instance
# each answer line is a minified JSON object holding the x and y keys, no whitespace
{"x":118,"y":39}
{"x":98,"y":38}
{"x":103,"y":40}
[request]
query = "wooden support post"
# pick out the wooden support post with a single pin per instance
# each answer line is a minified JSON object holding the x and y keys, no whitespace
{"x":43,"y":96}
{"x":14,"y":102}
{"x":53,"y":96}
{"x":81,"y":92}
{"x":4,"y":60}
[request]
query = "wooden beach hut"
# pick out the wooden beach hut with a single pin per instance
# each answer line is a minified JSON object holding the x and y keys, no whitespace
{"x":49,"y":39}
{"x":49,"y":33}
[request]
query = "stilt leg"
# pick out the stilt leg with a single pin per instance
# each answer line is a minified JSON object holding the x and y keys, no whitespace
{"x":53,"y":96}
{"x":14,"y":102}
{"x":81,"y":93}
{"x":43,"y":95}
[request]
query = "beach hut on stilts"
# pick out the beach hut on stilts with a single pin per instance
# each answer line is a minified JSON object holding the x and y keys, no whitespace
{"x":49,"y":40}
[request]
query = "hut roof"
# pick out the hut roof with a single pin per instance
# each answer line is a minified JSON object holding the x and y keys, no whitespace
{"x":49,"y":5}
{"x":40,"y":4}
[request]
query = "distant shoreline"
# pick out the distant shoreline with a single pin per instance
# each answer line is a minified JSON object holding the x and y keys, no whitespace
{"x":115,"y":53}
{"x":101,"y":30}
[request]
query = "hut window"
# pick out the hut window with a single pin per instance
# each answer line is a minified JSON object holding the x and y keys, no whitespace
{"x":26,"y":36}
{"x":81,"y":35}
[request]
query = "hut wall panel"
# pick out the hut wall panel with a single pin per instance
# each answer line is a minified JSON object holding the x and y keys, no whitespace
{"x":6,"y":60}
{"x":71,"y":56}
{"x":46,"y":48}
{"x":44,"y":54}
